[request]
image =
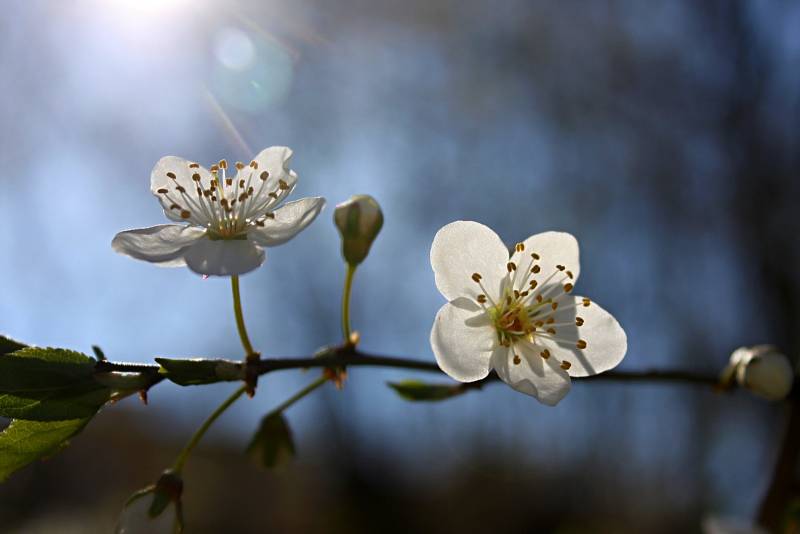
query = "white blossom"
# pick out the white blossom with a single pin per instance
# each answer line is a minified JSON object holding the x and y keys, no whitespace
{"x":135,"y":518}
{"x":516,"y":314}
{"x":226,"y":219}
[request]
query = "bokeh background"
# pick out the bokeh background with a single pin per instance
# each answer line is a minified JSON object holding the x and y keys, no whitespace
{"x":663,"y":134}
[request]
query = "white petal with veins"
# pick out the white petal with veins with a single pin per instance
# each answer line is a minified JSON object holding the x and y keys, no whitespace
{"x":289,"y":220}
{"x":164,"y":244}
{"x":461,"y":249}
{"x":463,"y":351}
{"x":224,"y":257}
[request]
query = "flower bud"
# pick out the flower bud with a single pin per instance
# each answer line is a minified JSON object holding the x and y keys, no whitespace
{"x":155,"y":509}
{"x":763,"y":370}
{"x":359,"y":220}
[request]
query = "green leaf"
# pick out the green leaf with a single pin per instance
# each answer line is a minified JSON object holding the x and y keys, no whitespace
{"x":24,"y":442}
{"x":9,"y":345}
{"x":272,"y":445}
{"x":43,"y":384}
{"x":199,"y":372}
{"x":417,"y":390}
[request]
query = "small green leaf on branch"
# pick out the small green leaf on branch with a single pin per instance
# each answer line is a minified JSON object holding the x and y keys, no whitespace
{"x":417,"y":390}
{"x":272,"y":445}
{"x":198,"y":372}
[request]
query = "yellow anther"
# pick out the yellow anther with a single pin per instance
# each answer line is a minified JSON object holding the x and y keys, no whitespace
{"x":511,"y":266}
{"x":223,"y":164}
{"x":539,"y":323}
{"x":264,"y":175}
{"x":551,"y":331}
{"x":180,"y":189}
{"x":579,"y":321}
{"x":241,"y":182}
{"x":550,"y":320}
{"x":283,"y":185}
{"x":269,"y":215}
{"x":565,"y":365}
{"x":162,"y":191}
{"x":171,"y":175}
{"x":533,"y":284}
{"x":545,"y":354}
{"x":568,"y":288}
{"x":194,"y":165}
{"x":539,"y":299}
{"x":185,"y":214}
{"x":476,"y":277}
{"x":516,"y":360}
{"x":581,"y":344}
{"x":274,"y":195}
{"x":214,"y":168}
{"x":174,"y":207}
{"x":239,"y":165}
{"x":554,"y":306}
{"x":569,"y":273}
{"x":535,"y":269}
{"x":520,"y":247}
{"x":196,"y":177}
{"x":560,"y":267}
{"x":254,"y":164}
{"x":524,"y":294}
{"x":516,"y":294}
{"x":228,"y":181}
{"x":482,"y":299}
{"x":586,"y":302}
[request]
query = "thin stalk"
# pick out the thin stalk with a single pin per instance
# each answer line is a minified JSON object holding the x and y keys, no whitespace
{"x":237,"y":310}
{"x":348,"y":286}
{"x":200,"y":432}
{"x":299,"y":395}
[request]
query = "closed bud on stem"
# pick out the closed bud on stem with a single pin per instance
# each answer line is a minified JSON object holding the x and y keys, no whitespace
{"x":155,"y":509}
{"x":763,"y":370}
{"x":359,"y":220}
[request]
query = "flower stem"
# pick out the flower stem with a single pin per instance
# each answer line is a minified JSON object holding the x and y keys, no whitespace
{"x":200,"y":432}
{"x":348,"y":286}
{"x":237,"y":310}
{"x":299,"y":395}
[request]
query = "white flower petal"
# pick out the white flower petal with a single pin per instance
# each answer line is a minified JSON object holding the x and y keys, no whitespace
{"x":290,"y":219}
{"x":164,"y":244}
{"x":278,"y":181}
{"x":606,"y":342}
{"x":553,"y":249}
{"x":533,"y":375}
{"x":224,"y":257}
{"x":462,"y":340}
{"x":134,"y":518}
{"x":462,"y":248}
{"x":181,"y":191}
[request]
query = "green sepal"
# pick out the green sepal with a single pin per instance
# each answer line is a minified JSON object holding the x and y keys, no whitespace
{"x":417,"y":390}
{"x":272,"y":445}
{"x":45,"y":384}
{"x":198,"y":372}
{"x":24,"y":442}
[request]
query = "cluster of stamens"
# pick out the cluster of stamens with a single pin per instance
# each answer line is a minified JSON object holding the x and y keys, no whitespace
{"x":526,"y":310}
{"x":226,"y":206}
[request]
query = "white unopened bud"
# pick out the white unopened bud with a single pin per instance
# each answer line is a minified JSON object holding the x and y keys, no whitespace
{"x":359,"y":219}
{"x":763,"y":370}
{"x":135,"y":518}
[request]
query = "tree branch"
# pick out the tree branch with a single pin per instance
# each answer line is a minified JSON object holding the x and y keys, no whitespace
{"x":347,"y":356}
